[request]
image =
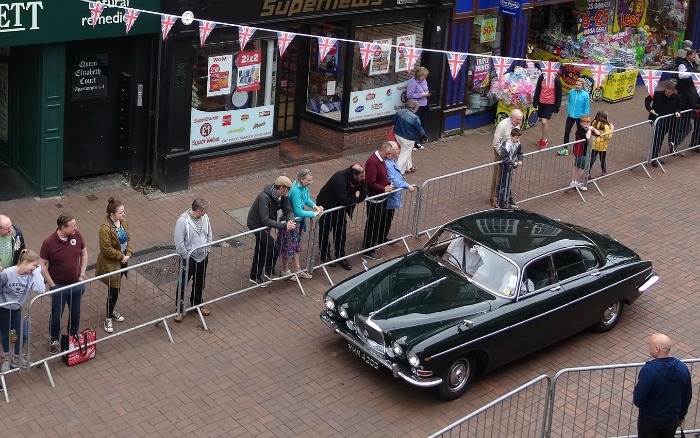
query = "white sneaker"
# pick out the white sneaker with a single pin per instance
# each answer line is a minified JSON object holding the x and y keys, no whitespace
{"x":117,"y":316}
{"x":304,"y":274}
{"x":108,"y":325}
{"x":5,"y":366}
{"x":582,"y":187}
{"x":573,"y":184}
{"x":286,"y":273}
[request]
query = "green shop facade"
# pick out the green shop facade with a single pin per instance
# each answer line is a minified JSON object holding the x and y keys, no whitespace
{"x":76,"y":99}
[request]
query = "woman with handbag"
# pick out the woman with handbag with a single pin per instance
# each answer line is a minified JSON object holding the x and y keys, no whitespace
{"x":115,"y":251}
{"x":15,"y":284}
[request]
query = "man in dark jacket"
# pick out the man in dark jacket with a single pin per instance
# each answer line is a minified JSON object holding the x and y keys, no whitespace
{"x":11,"y":243}
{"x":663,"y":391}
{"x":344,"y":189}
{"x":263,"y":213}
{"x":378,"y":216}
{"x":663,"y":103}
{"x":688,"y":96}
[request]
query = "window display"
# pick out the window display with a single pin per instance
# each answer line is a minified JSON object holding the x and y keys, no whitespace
{"x":486,"y":39}
{"x":326,"y":73}
{"x":232,"y":93}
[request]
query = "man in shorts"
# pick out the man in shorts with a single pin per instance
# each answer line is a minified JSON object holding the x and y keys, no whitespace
{"x":547,"y":99}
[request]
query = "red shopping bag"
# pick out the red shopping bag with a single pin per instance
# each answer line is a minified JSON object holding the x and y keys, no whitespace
{"x":81,"y":351}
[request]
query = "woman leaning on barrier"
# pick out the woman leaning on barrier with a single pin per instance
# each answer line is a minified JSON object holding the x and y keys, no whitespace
{"x":115,"y":251}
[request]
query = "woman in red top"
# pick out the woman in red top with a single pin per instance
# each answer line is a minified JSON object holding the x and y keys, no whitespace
{"x":547,"y":99}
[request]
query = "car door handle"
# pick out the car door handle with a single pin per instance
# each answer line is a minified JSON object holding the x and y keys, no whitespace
{"x":595,"y":273}
{"x":556,"y":288}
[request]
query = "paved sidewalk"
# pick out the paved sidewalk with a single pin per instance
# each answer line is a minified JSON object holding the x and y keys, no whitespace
{"x":268,"y":366}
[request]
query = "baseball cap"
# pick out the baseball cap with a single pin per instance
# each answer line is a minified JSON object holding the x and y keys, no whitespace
{"x":283,"y":181}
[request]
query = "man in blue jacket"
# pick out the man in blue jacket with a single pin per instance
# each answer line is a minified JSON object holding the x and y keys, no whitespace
{"x":663,"y":391}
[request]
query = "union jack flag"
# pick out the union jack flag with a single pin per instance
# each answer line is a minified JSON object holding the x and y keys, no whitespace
{"x":95,"y":11}
{"x":651,"y":79}
{"x":205,"y":28}
{"x":600,"y":72}
{"x":166,"y":23}
{"x":284,"y":39}
{"x":130,"y":18}
{"x":696,"y":81}
{"x":244,"y":35}
{"x":412,"y":56}
{"x":324,"y":46}
{"x":501,"y":64}
{"x":455,"y":61}
{"x":549,"y":70}
{"x":367,"y":52}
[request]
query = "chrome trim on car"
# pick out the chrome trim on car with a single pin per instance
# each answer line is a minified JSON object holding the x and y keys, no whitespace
{"x":438,"y":281}
{"x":397,"y":370}
{"x":649,"y":283}
{"x":536,"y":317}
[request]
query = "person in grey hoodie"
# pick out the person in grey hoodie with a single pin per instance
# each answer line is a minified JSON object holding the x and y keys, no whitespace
{"x":193,"y":230}
{"x":663,"y":391}
{"x":263,"y":213}
{"x":15,"y":284}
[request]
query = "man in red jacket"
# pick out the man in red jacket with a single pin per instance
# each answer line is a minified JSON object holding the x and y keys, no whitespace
{"x":378,"y":216}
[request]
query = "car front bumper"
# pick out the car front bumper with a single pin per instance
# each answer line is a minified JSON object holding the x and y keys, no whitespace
{"x":398,"y":370}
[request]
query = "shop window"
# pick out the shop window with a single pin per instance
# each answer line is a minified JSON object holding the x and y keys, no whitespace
{"x":486,"y":40}
{"x":232,"y":93}
{"x":380,"y":89}
{"x":325,"y":90}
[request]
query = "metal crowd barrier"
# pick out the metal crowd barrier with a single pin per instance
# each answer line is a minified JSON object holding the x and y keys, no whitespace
{"x":20,"y":331}
{"x":147,"y":297}
{"x":584,"y":401}
{"x":356,"y":230}
{"x":669,"y":133}
{"x":519,"y":413}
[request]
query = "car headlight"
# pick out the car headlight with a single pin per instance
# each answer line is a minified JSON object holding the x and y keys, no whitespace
{"x":396,"y":348}
{"x":413,"y":359}
{"x":330,"y":304}
{"x":343,"y":312}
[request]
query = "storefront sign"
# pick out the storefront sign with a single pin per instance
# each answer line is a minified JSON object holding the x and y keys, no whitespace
{"x":403,"y":41}
{"x":630,"y":13}
{"x":379,"y":63}
{"x":598,"y":20}
{"x":219,"y":81}
{"x":482,"y":67}
{"x":211,"y":129}
{"x":509,"y":7}
{"x":46,"y":21}
{"x":89,"y":75}
{"x":248,"y":64}
{"x":620,"y":86}
{"x":488,"y":30}
{"x":377,"y":102}
{"x":4,"y":98}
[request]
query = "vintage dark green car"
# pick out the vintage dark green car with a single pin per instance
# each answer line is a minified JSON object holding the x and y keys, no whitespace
{"x":486,"y":289}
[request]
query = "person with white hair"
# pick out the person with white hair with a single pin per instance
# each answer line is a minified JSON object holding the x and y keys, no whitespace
{"x":408,"y":129}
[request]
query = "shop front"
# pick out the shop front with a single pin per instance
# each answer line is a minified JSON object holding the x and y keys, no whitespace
{"x":243,"y":98}
{"x":69,"y":102}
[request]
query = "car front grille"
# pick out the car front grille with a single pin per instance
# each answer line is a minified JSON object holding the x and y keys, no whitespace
{"x":369,"y":335}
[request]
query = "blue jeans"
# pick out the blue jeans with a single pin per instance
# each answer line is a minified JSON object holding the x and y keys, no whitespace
{"x":10,"y":320}
{"x":72,"y":297}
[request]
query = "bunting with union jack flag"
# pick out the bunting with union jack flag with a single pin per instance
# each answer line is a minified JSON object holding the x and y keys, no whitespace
{"x":549,"y":71}
{"x":96,"y":9}
{"x":696,"y":81}
{"x":455,"y":61}
{"x":205,"y":28}
{"x":166,"y":23}
{"x":411,"y":56}
{"x":651,"y":80}
{"x":599,"y":72}
{"x":367,"y":53}
{"x":130,"y":16}
{"x":501,"y":64}
{"x":244,"y":35}
{"x":284,"y":39}
{"x":324,"y":46}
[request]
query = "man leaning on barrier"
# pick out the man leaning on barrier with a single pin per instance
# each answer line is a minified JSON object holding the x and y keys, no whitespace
{"x":378,"y":216}
{"x":661,"y":104}
{"x":63,"y":258}
{"x":345,"y":188}
{"x":663,"y":391}
{"x":263,"y":213}
{"x":192,"y":230}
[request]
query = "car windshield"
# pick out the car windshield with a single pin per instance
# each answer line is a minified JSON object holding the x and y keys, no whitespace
{"x":484,"y":267}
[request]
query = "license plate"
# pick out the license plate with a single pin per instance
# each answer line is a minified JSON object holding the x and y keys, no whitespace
{"x":363,"y":356}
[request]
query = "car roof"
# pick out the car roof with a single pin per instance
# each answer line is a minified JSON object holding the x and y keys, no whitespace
{"x":518,"y":234}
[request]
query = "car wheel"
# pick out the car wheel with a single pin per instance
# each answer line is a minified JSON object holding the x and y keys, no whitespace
{"x":457,"y":378}
{"x":609,"y":318}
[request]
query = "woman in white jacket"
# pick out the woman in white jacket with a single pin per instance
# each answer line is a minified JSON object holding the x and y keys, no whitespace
{"x":15,"y":284}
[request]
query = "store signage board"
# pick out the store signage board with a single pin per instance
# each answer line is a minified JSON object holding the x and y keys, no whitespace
{"x":249,"y":66}
{"x":511,"y":8}
{"x":89,"y":76}
{"x":377,"y":102}
{"x":620,"y":86}
{"x":488,"y":30}
{"x":220,"y":71}
{"x":219,"y":128}
{"x":630,"y":13}
{"x":47,"y":21}
{"x":404,"y":41}
{"x":598,"y":19}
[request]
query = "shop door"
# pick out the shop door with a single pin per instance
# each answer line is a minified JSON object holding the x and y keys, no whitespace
{"x":288,"y":100}
{"x":92,"y":140}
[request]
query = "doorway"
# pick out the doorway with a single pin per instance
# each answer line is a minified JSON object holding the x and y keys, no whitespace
{"x":290,"y":85}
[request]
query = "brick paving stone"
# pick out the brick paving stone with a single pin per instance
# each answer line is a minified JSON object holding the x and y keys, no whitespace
{"x":269,"y":367}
